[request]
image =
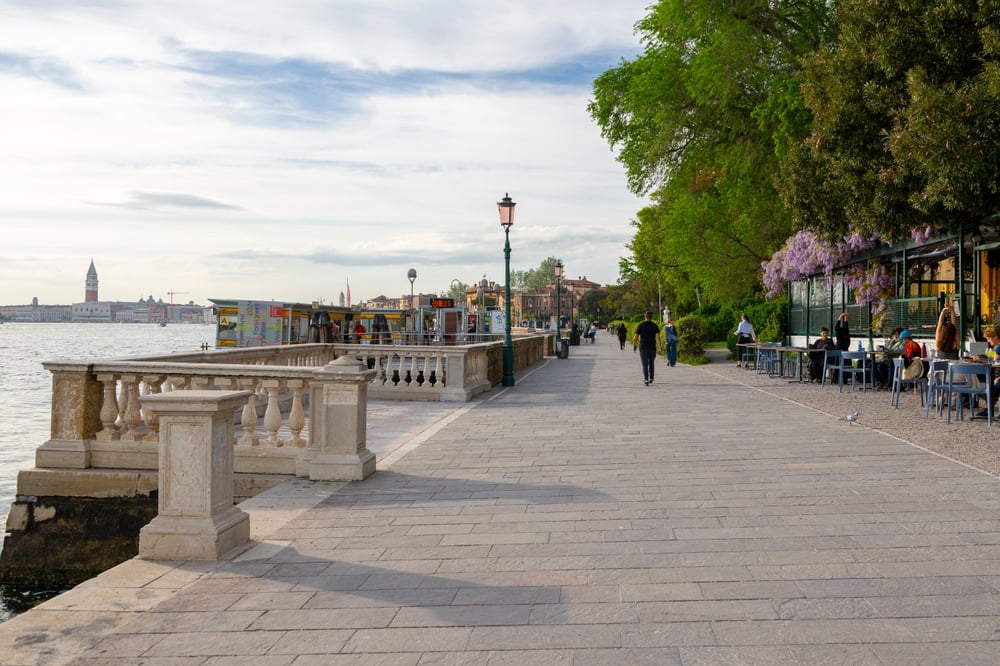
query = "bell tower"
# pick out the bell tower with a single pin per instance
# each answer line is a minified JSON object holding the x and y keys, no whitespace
{"x":91,"y":292}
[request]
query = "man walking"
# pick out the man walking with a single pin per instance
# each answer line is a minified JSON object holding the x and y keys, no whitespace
{"x":647,"y":340}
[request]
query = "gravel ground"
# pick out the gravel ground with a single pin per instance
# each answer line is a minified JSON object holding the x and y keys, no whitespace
{"x":972,"y":442}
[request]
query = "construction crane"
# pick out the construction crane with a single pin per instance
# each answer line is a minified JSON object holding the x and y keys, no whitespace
{"x":171,"y":294}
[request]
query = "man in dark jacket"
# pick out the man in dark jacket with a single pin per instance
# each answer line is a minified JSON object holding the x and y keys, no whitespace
{"x":647,"y":341}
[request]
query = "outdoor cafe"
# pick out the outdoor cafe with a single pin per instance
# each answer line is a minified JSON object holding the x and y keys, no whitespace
{"x":956,"y":272}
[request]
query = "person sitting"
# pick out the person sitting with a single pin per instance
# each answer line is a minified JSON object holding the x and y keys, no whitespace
{"x":993,"y":339}
{"x":884,"y":369}
{"x":817,"y":359}
{"x":946,"y":340}
{"x":911,"y":350}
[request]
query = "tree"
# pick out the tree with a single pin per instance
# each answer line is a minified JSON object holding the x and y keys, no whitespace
{"x":457,"y":291}
{"x":536,"y":279}
{"x":701,"y":119}
{"x":592,"y":303}
{"x":906,"y":121}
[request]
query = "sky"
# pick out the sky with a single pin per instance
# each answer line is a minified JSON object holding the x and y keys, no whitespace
{"x":283,"y":150}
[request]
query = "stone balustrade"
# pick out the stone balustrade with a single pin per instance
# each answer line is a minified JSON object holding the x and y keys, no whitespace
{"x":98,"y":421}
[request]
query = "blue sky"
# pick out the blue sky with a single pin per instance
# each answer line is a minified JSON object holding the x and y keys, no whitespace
{"x":276,"y":150}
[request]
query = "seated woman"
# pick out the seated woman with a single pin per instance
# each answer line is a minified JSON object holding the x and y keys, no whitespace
{"x":946,"y":340}
{"x":817,"y":358}
{"x":884,"y":368}
{"x":993,"y":339}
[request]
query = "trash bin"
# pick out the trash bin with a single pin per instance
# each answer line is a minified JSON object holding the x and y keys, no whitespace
{"x":562,"y":348}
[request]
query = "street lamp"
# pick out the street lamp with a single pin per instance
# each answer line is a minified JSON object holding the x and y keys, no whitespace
{"x":558,"y":270}
{"x":506,"y":207}
{"x":411,"y":275}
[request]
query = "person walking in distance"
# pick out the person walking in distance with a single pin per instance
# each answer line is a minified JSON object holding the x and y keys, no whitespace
{"x":670,"y":334}
{"x":622,"y":334}
{"x":647,"y":341}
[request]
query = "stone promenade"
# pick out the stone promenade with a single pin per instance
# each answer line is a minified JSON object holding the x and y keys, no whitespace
{"x":579,"y":518}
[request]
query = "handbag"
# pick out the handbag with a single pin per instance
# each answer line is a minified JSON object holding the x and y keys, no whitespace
{"x":915,"y":370}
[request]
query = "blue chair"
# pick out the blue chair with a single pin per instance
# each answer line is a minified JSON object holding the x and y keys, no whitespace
{"x":833,"y":361}
{"x":937,"y":386}
{"x":968,"y":381}
{"x":854,"y":364}
{"x":768,"y":361}
{"x":919,"y":385}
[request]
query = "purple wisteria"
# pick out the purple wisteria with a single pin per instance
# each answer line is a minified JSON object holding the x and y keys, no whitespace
{"x":805,"y":254}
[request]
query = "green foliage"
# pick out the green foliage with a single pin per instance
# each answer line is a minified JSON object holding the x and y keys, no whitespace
{"x":906,"y":121}
{"x":457,"y":291}
{"x":701,"y":120}
{"x":692,"y":333}
{"x":592,"y":303}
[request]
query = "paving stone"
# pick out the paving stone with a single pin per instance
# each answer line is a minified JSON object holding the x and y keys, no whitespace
{"x":579,"y":519}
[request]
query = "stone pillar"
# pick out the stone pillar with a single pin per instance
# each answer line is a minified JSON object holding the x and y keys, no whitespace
{"x":197,"y":519}
{"x":76,"y":408}
{"x":338,"y":426}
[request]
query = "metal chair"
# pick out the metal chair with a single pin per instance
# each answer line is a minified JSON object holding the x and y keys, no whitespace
{"x":969,"y":380}
{"x":831,"y":363}
{"x":937,"y":386}
{"x":768,"y":360}
{"x":919,"y":385}
{"x":853,"y":364}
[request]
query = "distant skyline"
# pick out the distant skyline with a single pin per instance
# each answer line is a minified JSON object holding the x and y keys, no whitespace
{"x":268,"y":150}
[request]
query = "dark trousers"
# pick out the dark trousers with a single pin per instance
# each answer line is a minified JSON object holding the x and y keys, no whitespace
{"x":647,"y":358}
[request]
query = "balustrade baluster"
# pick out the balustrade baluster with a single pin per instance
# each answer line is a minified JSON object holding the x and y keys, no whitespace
{"x":411,"y":373}
{"x":296,"y":416}
{"x":132,"y":415}
{"x":249,"y":418}
{"x":272,"y":415}
{"x":109,"y":408}
{"x":153,"y":384}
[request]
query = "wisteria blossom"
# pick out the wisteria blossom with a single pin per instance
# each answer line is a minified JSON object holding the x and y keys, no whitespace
{"x":805,"y":254}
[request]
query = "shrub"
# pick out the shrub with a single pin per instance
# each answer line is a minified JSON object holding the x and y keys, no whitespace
{"x":692,"y":333}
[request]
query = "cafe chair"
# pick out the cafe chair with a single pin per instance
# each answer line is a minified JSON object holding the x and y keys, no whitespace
{"x":969,"y":381}
{"x":768,"y":361}
{"x":937,"y":386}
{"x":831,"y":363}
{"x":919,"y":385}
{"x":853,"y":365}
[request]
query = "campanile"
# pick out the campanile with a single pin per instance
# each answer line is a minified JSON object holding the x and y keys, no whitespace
{"x":91,"y":293}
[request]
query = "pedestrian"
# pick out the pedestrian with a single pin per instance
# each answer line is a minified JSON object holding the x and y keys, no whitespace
{"x":842,"y":330}
{"x":744,"y":335}
{"x":647,"y":341}
{"x":622,"y":335}
{"x":671,"y":338}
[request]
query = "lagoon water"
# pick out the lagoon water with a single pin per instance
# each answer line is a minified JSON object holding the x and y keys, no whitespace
{"x":26,"y":386}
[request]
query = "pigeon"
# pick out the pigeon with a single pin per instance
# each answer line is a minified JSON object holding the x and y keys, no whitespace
{"x":851,"y":418}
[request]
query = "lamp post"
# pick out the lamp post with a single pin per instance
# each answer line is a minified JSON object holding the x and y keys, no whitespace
{"x":558,"y":270}
{"x":411,"y":275}
{"x":506,"y":207}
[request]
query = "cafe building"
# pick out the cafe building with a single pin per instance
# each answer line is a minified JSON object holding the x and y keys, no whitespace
{"x":962,"y":266}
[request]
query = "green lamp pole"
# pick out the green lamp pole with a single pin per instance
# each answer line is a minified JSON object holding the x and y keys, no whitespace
{"x":558,"y":270}
{"x":506,"y":207}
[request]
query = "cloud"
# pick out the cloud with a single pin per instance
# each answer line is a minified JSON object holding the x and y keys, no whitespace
{"x":269,"y":148}
{"x":48,"y":70}
{"x":165,"y":200}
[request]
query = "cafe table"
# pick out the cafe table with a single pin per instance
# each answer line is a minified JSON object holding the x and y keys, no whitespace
{"x":801,"y":355}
